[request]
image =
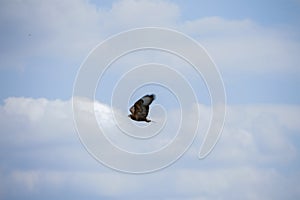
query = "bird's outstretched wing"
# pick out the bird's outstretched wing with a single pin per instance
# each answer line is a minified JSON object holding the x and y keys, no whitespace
{"x":140,"y":109}
{"x":147,"y":99}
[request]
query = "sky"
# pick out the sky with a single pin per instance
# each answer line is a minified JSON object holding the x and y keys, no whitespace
{"x":255,"y":46}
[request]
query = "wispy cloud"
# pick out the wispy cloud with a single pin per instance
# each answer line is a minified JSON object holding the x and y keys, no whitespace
{"x":245,"y":45}
{"x":65,"y":30}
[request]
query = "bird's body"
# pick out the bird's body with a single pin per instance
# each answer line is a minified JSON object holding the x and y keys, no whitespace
{"x":140,"y":109}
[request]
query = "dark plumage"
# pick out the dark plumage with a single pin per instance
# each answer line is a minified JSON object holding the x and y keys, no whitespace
{"x":140,"y":109}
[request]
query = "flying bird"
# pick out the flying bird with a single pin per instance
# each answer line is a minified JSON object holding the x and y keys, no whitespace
{"x":140,"y":109}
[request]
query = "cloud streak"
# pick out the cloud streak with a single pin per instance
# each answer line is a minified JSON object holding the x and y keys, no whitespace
{"x":66,"y":31}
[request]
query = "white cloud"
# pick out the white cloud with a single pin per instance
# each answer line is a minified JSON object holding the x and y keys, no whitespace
{"x":67,"y":31}
{"x":41,"y":152}
{"x":35,"y":120}
{"x":129,"y":14}
{"x":48,"y":29}
{"x":98,"y":183}
{"x":235,"y":183}
{"x":245,"y":45}
{"x":259,"y":134}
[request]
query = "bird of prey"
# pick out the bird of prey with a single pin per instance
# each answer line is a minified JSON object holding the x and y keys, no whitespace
{"x":140,"y":109}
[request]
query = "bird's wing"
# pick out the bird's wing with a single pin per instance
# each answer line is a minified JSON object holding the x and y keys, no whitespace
{"x":147,"y":99}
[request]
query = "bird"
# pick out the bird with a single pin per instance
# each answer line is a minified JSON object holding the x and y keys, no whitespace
{"x":140,"y":109}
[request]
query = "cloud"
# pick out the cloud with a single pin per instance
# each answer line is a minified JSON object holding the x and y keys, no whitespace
{"x":41,"y":155}
{"x":253,"y":159}
{"x":70,"y":29}
{"x":67,"y":31}
{"x":245,"y":45}
{"x":235,"y":183}
{"x":50,"y":29}
{"x":130,"y":14}
{"x":259,"y":134}
{"x":50,"y":120}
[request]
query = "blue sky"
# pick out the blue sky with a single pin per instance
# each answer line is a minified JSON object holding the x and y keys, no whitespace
{"x":255,"y":45}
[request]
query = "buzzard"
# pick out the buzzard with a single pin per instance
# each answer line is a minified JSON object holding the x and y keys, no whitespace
{"x":140,"y":109}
